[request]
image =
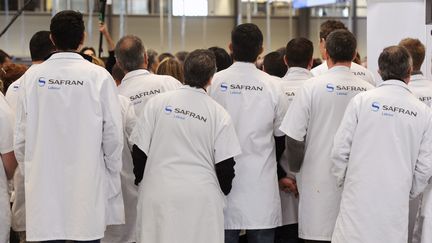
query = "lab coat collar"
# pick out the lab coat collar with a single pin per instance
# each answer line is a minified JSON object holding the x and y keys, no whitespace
{"x":298,"y":70}
{"x":199,"y":90}
{"x":243,"y":64}
{"x":65,"y":55}
{"x":417,"y":77}
{"x":135,"y":73}
{"x":339,"y":69}
{"x":395,"y":82}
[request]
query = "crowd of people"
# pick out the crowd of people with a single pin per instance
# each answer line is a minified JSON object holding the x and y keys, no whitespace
{"x":206,"y":146}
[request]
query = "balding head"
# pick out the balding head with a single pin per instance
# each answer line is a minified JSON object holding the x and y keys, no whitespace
{"x":130,"y":53}
{"x":395,"y":63}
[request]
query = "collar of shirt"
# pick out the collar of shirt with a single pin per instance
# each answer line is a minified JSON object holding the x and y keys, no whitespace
{"x":65,"y":55}
{"x":243,"y":65}
{"x":339,"y":68}
{"x":199,"y":90}
{"x":395,"y":82}
{"x":298,"y":71}
{"x":417,"y":77}
{"x":135,"y":73}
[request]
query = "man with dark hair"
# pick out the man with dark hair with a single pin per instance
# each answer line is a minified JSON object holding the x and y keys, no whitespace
{"x":256,"y":103}
{"x":378,"y":181}
{"x":223,"y":59}
{"x":298,"y":59}
{"x":315,"y":115}
{"x":139,"y":85}
{"x":274,"y":65}
{"x":180,"y":195}
{"x":326,"y":28}
{"x":68,"y":141}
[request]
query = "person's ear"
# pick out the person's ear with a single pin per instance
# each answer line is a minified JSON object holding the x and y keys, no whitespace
{"x":285,"y":60}
{"x":52,"y":40}
{"x":230,"y":47}
{"x":310,"y":63}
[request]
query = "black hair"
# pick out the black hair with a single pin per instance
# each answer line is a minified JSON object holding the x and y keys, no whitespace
{"x":341,"y":46}
{"x":223,"y":59}
{"x":3,"y":56}
{"x":67,"y":30}
{"x":395,"y":62}
{"x":41,"y":46}
{"x":299,"y":52}
{"x":274,"y":64}
{"x":247,"y":41}
{"x":199,"y":68}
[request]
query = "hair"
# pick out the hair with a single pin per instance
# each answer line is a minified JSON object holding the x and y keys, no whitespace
{"x":165,"y":55}
{"x":181,"y":56}
{"x":341,"y":46}
{"x":117,"y":74}
{"x":223,"y":59}
{"x":172,"y":67}
{"x":395,"y":62}
{"x":199,"y":68}
{"x":41,"y":46}
{"x":299,"y":52}
{"x":316,"y":62}
{"x":98,"y":61}
{"x":329,"y":26}
{"x":130,"y":53}
{"x":67,"y":30}
{"x":274,"y":64}
{"x":4,"y":56}
{"x":247,"y":41}
{"x":417,"y":51}
{"x":357,"y":58}
{"x":152,"y":59}
{"x":86,"y":48}
{"x":10,"y":72}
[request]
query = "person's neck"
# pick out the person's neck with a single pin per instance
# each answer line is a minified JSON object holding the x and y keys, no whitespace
{"x":332,"y":64}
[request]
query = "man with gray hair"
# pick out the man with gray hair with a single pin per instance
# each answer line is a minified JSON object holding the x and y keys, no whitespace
{"x":382,"y":156}
{"x":138,"y":84}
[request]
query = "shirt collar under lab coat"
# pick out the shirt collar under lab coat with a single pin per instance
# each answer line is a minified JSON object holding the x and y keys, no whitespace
{"x":395,"y":82}
{"x":417,"y":77}
{"x":199,"y":90}
{"x":135,"y":73}
{"x":298,"y":71}
{"x":339,"y":69}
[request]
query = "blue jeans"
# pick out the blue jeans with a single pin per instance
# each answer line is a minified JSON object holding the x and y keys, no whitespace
{"x":75,"y":241}
{"x":253,"y":236}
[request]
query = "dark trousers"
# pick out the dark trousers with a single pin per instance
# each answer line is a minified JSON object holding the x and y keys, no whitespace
{"x":253,"y":236}
{"x":287,"y":234}
{"x":75,"y":241}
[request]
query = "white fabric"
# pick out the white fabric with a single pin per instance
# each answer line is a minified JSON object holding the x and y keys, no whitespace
{"x":358,"y":71}
{"x":68,"y":135}
{"x":184,"y":133}
{"x":256,"y":104}
{"x":316,"y":113}
{"x":422,"y":89}
{"x":126,"y":233}
{"x":382,"y":156}
{"x":12,"y":94}
{"x":291,"y":82}
{"x":140,"y":85}
{"x":6,"y":146}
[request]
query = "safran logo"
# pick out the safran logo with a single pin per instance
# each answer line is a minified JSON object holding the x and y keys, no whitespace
{"x":375,"y":106}
{"x":330,"y":87}
{"x":224,"y":87}
{"x":41,"y":82}
{"x":168,"y":109}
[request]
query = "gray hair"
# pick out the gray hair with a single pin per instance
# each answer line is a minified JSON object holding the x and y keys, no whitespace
{"x":395,"y":63}
{"x":130,"y":53}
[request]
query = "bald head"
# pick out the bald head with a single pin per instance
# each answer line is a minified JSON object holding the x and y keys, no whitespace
{"x":130,"y":53}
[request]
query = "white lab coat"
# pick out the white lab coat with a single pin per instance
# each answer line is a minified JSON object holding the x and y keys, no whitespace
{"x":291,"y":82}
{"x":140,"y":85}
{"x":382,"y":156}
{"x":422,"y":89}
{"x":68,"y":136}
{"x":126,"y":233}
{"x":256,"y":104}
{"x":316,"y":113}
{"x":184,"y":133}
{"x":6,"y":146}
{"x":358,"y":71}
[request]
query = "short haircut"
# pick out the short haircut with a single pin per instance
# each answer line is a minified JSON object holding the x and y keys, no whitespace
{"x":299,"y":52}
{"x":172,"y":67}
{"x":181,"y":56}
{"x":199,"y":68}
{"x":395,"y":62}
{"x":3,"y":56}
{"x":130,"y":53}
{"x":223,"y":59}
{"x":67,"y":30}
{"x":165,"y":55}
{"x":117,"y":73}
{"x":247,"y":41}
{"x":41,"y":46}
{"x":329,"y":26}
{"x":417,"y":51}
{"x":152,"y":58}
{"x":274,"y":64}
{"x":341,"y":46}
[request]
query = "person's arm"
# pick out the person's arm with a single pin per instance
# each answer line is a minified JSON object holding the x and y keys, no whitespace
{"x":111,"y":61}
{"x":280,"y":148}
{"x":225,"y":173}
{"x":295,"y":151}
{"x":9,"y":163}
{"x":139,"y":159}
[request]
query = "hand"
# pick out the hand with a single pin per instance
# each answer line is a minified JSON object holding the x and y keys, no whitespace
{"x":287,"y":185}
{"x":102,"y":28}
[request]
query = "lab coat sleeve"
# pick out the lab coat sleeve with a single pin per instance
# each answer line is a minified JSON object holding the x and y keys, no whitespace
{"x":20,"y":127}
{"x":343,"y":141}
{"x":143,"y":131}
{"x":6,"y":129}
{"x":129,"y":123}
{"x":112,"y":136}
{"x":281,"y":109}
{"x":423,"y":166}
{"x":296,"y":120}
{"x":226,"y":142}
